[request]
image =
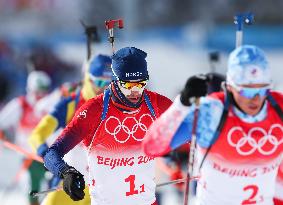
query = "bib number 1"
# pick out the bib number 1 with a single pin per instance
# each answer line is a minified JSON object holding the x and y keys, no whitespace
{"x":132,"y":186}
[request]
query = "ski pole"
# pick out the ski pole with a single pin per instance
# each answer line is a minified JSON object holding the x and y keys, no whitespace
{"x":213,"y":60}
{"x":240,"y":20}
{"x":38,"y":193}
{"x":20,"y":150}
{"x":92,"y":36}
{"x":191,"y":156}
{"x":58,"y":188}
{"x":177,"y":181}
{"x":110,"y":25}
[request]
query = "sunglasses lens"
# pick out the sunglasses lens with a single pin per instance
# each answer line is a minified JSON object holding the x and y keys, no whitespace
{"x":101,"y":83}
{"x":105,"y":83}
{"x":252,"y":92}
{"x":130,"y":85}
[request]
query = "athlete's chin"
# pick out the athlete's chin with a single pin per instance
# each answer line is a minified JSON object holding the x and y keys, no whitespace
{"x":253,"y":110}
{"x":134,"y":99}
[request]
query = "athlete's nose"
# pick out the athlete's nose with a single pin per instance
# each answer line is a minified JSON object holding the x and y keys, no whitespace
{"x":135,"y":93}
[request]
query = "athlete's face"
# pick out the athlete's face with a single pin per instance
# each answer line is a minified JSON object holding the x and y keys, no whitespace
{"x":250,"y":98}
{"x":132,"y":90}
{"x":39,"y":95}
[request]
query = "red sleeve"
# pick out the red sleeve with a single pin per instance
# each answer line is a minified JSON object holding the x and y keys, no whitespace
{"x":277,"y":201}
{"x":94,"y":120}
{"x":82,"y":126}
{"x":152,"y":139}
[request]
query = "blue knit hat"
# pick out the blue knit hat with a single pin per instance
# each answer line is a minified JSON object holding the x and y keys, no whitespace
{"x":129,"y":64}
{"x":248,"y":65}
{"x":100,"y":66}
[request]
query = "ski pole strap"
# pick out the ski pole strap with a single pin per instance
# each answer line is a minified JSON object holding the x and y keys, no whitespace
{"x":275,"y":105}
{"x":149,"y":105}
{"x":106,"y":99}
{"x":219,"y":127}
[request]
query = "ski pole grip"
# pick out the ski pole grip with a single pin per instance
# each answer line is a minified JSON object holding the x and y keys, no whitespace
{"x":244,"y":18}
{"x":238,"y":21}
{"x":110,"y":24}
{"x":249,"y":18}
{"x":120,"y":23}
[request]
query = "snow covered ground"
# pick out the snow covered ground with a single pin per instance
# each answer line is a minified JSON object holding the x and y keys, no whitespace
{"x":11,"y":194}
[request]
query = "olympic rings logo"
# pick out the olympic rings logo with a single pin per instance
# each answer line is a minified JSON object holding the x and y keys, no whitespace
{"x":255,"y":145}
{"x":125,"y":128}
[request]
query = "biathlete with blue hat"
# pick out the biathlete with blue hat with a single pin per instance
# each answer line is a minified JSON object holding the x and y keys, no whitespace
{"x":238,"y":134}
{"x":97,"y":77}
{"x":112,"y":127}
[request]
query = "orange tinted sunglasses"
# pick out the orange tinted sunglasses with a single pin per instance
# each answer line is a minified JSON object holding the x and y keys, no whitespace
{"x":130,"y":85}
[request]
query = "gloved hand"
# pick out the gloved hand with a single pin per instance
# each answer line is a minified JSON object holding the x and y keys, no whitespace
{"x":73,"y":183}
{"x":42,"y":149}
{"x":196,"y":86}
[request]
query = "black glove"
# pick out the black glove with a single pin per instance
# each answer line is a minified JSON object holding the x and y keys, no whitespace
{"x":73,"y":183}
{"x":196,"y":86}
{"x":214,"y":82}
